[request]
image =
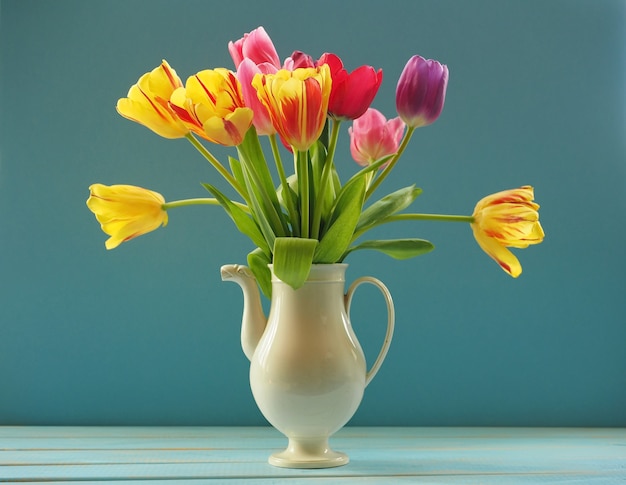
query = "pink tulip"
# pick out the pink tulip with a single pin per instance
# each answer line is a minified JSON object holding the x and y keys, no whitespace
{"x":421,"y":91}
{"x":254,"y":53}
{"x":372,"y":137}
{"x":245,"y":73}
{"x":256,"y":46}
{"x":352,"y":93}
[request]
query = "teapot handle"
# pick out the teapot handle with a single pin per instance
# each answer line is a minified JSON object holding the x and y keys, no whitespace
{"x":390,"y":319}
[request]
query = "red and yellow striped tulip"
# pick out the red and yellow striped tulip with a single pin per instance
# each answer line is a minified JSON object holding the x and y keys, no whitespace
{"x":126,"y":211}
{"x":297,"y":102}
{"x":211,"y":105}
{"x":507,"y":219}
{"x":147,"y":102}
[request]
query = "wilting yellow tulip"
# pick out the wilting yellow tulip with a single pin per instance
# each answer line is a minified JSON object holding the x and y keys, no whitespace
{"x":297,"y":102}
{"x":507,"y":219}
{"x":211,"y":104}
{"x":126,"y":211}
{"x":148,"y":102}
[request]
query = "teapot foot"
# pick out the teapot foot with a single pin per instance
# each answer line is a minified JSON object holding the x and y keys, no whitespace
{"x":308,"y":453}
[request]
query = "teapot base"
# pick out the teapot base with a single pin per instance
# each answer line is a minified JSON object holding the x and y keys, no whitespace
{"x":308,"y":453}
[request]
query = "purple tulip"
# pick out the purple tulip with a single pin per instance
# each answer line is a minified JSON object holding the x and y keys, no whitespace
{"x":421,"y":91}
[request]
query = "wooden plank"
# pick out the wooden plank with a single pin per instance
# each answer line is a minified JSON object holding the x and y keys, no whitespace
{"x":463,"y":480}
{"x":435,"y":455}
{"x":493,"y":452}
{"x":203,"y":438}
{"x":248,"y":469}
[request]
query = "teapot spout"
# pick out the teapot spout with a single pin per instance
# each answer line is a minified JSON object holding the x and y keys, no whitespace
{"x":253,"y":320}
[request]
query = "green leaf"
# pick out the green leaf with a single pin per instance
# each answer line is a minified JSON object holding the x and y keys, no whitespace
{"x":397,"y":248}
{"x":235,"y":168}
{"x":293,"y":257}
{"x":387,"y":206}
{"x":259,"y":183}
{"x":344,"y":218}
{"x":243,"y":221}
{"x":251,"y":155}
{"x":258,"y":262}
{"x":258,"y":214}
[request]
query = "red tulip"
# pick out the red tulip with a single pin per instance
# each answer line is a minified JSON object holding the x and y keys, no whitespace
{"x":351,"y":93}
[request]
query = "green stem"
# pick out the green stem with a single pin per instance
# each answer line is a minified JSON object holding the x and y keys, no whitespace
{"x":290,"y":202}
{"x":203,"y":201}
{"x":415,"y":217}
{"x":392,"y":163}
{"x":429,"y":217}
{"x":304,"y":190}
{"x":217,"y":165}
{"x":328,"y":165}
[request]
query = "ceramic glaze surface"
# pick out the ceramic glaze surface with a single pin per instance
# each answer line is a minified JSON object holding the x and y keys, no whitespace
{"x":308,"y":371}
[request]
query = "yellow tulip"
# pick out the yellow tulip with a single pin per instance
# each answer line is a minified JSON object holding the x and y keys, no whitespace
{"x":297,"y":102}
{"x":211,"y":105}
{"x":126,"y":211}
{"x":148,"y":102}
{"x":507,"y":219}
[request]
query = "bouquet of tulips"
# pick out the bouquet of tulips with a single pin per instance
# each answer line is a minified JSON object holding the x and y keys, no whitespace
{"x":308,"y":216}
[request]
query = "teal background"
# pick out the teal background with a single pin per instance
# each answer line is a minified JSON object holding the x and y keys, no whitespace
{"x":148,"y":334}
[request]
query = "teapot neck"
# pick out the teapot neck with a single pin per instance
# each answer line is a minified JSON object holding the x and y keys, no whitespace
{"x":320,"y":273}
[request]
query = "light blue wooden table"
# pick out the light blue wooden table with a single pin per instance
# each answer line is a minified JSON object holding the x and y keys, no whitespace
{"x":193,"y":456}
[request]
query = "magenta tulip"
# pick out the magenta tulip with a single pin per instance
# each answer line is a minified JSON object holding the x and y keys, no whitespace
{"x":421,"y":91}
{"x":372,"y":137}
{"x":297,"y":60}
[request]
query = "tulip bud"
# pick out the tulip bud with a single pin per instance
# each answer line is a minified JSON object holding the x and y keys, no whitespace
{"x":351,"y":93}
{"x":298,"y":60}
{"x":507,"y":219}
{"x":256,"y":46}
{"x":297,"y":103}
{"x":147,"y":102}
{"x":372,"y":137}
{"x":421,"y":91}
{"x":211,"y":105}
{"x":126,"y":211}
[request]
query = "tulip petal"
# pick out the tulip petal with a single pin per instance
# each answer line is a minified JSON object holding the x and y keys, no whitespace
{"x":256,"y":46}
{"x":245,"y":73}
{"x":505,"y":258}
{"x":147,"y":102}
{"x":351,"y":93}
{"x":507,"y":219}
{"x":372,"y":137}
{"x":297,"y":103}
{"x":421,"y":91}
{"x":126,"y":211}
{"x":212,"y":105}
